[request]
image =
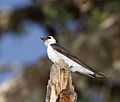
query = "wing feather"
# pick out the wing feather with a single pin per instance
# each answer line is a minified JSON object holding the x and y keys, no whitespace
{"x":65,"y":52}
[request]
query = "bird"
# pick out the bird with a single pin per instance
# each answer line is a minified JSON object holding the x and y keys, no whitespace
{"x":56,"y":52}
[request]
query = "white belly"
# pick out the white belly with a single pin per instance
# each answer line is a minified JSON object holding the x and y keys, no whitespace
{"x":55,"y":56}
{"x":52,"y":54}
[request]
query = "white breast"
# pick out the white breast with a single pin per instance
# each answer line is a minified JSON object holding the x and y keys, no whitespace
{"x":55,"y":56}
{"x":52,"y":54}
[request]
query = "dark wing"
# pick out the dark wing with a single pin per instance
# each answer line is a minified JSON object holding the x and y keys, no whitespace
{"x":69,"y":55}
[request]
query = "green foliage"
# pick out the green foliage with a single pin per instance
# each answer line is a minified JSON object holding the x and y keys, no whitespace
{"x":99,"y":14}
{"x":95,"y":18}
{"x":112,"y":7}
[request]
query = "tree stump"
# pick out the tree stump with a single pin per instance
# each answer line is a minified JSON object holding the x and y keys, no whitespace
{"x":60,"y":88}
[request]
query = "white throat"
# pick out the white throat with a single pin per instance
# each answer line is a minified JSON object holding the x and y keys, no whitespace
{"x":50,"y":41}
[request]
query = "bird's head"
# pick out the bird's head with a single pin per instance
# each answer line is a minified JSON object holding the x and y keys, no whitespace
{"x":48,"y":40}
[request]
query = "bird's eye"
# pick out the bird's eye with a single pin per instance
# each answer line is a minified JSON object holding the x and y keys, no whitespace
{"x":48,"y":37}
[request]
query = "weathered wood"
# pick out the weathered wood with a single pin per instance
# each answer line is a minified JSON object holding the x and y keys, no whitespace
{"x":60,"y":88}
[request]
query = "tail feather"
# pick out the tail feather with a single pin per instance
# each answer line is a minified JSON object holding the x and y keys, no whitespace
{"x":95,"y":75}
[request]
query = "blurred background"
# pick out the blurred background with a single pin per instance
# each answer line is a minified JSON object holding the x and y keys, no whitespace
{"x":90,"y":29}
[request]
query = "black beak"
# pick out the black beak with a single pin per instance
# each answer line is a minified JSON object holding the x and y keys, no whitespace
{"x":42,"y":38}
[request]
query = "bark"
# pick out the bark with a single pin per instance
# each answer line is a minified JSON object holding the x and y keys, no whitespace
{"x":60,"y":88}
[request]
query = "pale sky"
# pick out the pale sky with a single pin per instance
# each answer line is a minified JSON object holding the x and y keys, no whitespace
{"x":25,"y":48}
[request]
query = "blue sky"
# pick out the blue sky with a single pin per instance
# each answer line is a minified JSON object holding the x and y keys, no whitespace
{"x":6,"y":4}
{"x":24,"y":48}
{"x":27,"y":48}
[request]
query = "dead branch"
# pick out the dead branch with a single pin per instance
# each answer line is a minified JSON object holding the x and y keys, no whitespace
{"x":60,"y":88}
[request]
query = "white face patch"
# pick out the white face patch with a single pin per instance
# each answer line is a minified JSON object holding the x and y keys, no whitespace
{"x":49,"y":41}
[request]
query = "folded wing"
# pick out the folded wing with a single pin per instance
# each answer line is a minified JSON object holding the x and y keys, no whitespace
{"x":69,"y":55}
